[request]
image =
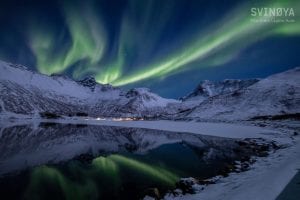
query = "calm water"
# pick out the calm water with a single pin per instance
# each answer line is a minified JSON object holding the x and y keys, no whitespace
{"x":56,"y":161}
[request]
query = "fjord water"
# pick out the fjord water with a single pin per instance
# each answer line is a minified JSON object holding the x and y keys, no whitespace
{"x":67,"y":161}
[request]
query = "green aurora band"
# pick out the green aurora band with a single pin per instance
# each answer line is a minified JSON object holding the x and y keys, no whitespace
{"x":152,"y":171}
{"x":44,"y":176}
{"x":87,"y":36}
{"x":85,"y":183}
{"x":217,"y":45}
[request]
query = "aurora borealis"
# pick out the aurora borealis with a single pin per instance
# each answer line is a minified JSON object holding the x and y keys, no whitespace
{"x":103,"y":175}
{"x":152,"y":43}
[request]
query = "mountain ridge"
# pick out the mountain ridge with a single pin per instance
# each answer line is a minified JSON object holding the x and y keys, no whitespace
{"x":27,"y":92}
{"x":278,"y":94}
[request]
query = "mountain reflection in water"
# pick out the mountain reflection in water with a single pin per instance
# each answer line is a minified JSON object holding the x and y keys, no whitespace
{"x":67,"y":161}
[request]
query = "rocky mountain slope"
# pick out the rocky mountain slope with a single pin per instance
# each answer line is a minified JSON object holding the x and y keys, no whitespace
{"x":29,"y":93}
{"x":278,"y":94}
{"x":207,"y":89}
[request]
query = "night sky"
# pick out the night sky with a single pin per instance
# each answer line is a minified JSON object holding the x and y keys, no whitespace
{"x":166,"y":45}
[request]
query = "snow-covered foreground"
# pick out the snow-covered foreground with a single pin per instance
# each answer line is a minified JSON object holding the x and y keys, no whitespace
{"x":265,"y":180}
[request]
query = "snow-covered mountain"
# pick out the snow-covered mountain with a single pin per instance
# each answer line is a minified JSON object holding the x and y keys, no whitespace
{"x":27,"y":92}
{"x":278,"y":94}
{"x":207,"y":89}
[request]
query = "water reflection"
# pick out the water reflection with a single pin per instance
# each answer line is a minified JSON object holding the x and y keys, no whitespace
{"x":65,"y":161}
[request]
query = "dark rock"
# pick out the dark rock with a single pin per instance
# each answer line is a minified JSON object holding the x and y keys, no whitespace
{"x":88,"y":82}
{"x":81,"y":114}
{"x":49,"y":115}
{"x":186,"y":185}
{"x":153,"y":192}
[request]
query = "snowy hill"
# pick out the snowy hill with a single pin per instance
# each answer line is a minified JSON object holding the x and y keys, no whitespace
{"x":278,"y":94}
{"x":142,"y":99}
{"x":27,"y":92}
{"x":207,"y":89}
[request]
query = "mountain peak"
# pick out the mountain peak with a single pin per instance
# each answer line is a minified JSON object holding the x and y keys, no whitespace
{"x":208,"y":88}
{"x":88,"y":81}
{"x":137,"y":91}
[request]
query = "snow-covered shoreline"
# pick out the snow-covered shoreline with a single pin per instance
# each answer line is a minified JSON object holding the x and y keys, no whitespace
{"x":229,"y":130}
{"x":265,"y":180}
